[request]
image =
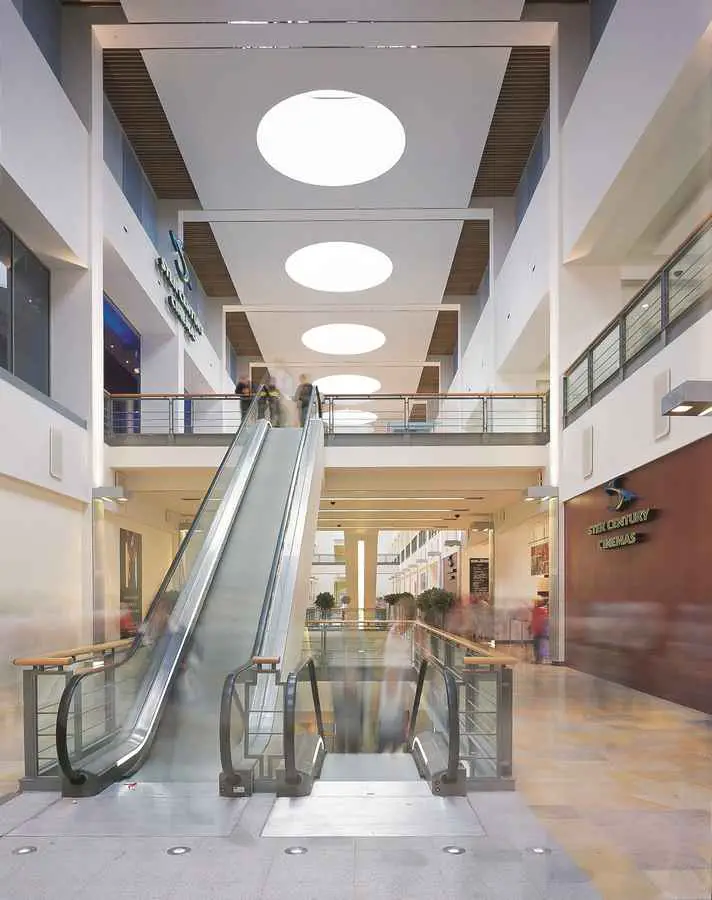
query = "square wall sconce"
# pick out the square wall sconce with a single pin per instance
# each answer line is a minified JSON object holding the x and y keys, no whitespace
{"x":110,"y":494}
{"x":691,"y":398}
{"x":540,"y":492}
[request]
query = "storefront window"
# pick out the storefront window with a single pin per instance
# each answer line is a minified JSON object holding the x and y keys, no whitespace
{"x":24,"y":312}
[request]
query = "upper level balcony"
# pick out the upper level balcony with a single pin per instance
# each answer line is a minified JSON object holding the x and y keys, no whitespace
{"x":353,"y":420}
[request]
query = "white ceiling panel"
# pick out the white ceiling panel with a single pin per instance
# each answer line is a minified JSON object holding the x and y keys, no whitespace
{"x":320,"y":10}
{"x":421,"y":253}
{"x":215,"y":99}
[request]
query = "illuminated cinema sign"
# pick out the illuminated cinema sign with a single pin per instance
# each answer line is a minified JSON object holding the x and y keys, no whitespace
{"x":175,"y":282}
{"x":621,"y":500}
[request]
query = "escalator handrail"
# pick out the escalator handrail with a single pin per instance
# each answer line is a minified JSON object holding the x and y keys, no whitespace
{"x":292,"y":775}
{"x":226,"y":700}
{"x":76,"y":776}
{"x":277,"y":558}
{"x":453,"y":714}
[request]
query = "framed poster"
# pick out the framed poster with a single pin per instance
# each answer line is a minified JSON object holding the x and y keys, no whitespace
{"x":479,"y":576}
{"x":130,"y":598}
{"x":540,"y":559}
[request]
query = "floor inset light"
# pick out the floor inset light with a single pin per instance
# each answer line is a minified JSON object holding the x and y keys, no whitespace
{"x":454,"y":851}
{"x":330,"y":138}
{"x":348,"y":384}
{"x":339,"y":267}
{"x":23,"y":851}
{"x":177,"y":851}
{"x":296,"y":851}
{"x":343,"y":339}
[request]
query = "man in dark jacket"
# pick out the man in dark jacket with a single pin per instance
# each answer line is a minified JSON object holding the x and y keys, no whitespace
{"x":243,"y":389}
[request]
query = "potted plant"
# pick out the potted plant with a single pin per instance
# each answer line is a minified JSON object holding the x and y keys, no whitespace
{"x":435,"y":603}
{"x":325,"y":602}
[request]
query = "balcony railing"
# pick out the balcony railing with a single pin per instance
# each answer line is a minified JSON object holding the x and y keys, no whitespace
{"x":438,"y":418}
{"x":331,"y":559}
{"x":415,"y":418}
{"x":677,"y":296}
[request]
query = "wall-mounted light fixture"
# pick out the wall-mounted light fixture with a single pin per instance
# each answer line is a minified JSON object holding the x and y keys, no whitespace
{"x":691,"y":398}
{"x":110,"y":494}
{"x":540,"y":492}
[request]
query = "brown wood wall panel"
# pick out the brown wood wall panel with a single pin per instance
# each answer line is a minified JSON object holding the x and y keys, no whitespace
{"x":521,"y":106}
{"x":130,"y":91}
{"x":206,"y":258}
{"x":241,"y":336}
{"x":642,"y":615}
{"x":470,"y":260}
{"x":444,"y":339}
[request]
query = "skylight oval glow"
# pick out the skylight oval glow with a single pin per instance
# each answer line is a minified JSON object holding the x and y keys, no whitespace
{"x":343,"y":340}
{"x":338,"y":267}
{"x":348,"y":384}
{"x":330,"y":138}
{"x":354,"y":417}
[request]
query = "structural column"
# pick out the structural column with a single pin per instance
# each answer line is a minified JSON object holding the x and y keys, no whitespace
{"x":361,"y":551}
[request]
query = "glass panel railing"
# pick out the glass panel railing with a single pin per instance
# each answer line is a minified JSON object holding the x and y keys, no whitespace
{"x":304,"y":746}
{"x":690,"y":276}
{"x":606,"y":357}
{"x":577,"y":386}
{"x":88,"y":737}
{"x":643,"y":321}
{"x":434,"y":732}
{"x":656,"y":315}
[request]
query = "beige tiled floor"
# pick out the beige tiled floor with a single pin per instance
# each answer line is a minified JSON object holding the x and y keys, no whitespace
{"x":623,"y":781}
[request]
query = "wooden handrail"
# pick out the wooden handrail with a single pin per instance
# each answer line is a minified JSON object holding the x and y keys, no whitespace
{"x":36,"y":661}
{"x":493,"y":660}
{"x":480,"y":651}
{"x":265,"y":660}
{"x":71,"y":655}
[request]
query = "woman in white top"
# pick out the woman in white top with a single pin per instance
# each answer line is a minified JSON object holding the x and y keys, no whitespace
{"x":395,"y":698}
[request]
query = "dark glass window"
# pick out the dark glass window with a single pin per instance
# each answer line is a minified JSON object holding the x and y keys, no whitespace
{"x":5,"y":297}
{"x":30,"y":318}
{"x":24,"y":312}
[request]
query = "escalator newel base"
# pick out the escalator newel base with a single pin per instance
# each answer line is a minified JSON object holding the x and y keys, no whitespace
{"x":241,"y":784}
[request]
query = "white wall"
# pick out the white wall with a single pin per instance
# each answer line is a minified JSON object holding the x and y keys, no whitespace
{"x":516,"y":529}
{"x":44,"y":147}
{"x":643,"y":50}
{"x":158,"y":547}
{"x":625,"y":422}
{"x":518,"y":291}
{"x":42,"y":603}
{"x":133,"y":283}
{"x":25,"y":446}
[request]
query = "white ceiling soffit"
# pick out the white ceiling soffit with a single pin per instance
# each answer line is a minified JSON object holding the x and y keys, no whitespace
{"x":215,"y":99}
{"x":320,"y":10}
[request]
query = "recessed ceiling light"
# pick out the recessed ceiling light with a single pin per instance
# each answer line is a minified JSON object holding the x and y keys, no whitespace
{"x":348,"y":384}
{"x":339,"y":267}
{"x":354,"y":417}
{"x":343,"y":339}
{"x":330,"y":138}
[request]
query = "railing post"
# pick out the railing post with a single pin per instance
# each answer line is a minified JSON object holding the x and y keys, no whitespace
{"x":504,"y":721}
{"x":664,"y":301}
{"x":171,"y":416}
{"x":406,"y":417}
{"x":485,"y":422}
{"x":30,"y":707}
{"x":109,"y":691}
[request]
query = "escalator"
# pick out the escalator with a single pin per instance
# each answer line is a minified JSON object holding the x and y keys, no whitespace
{"x":237,"y":589}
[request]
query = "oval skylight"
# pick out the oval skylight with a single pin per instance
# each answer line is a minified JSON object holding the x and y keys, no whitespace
{"x":343,"y":340}
{"x":348,"y":384}
{"x":330,"y":138}
{"x":338,"y":267}
{"x":354,"y":417}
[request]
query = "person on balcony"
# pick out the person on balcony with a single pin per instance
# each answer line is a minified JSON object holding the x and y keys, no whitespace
{"x":243,"y":389}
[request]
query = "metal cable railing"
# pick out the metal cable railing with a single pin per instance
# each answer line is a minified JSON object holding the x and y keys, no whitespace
{"x":674,"y":298}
